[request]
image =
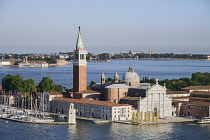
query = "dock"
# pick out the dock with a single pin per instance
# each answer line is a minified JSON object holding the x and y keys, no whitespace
{"x":53,"y":123}
{"x":94,"y":120}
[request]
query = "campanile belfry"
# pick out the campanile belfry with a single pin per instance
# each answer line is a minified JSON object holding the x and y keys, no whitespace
{"x":79,"y":66}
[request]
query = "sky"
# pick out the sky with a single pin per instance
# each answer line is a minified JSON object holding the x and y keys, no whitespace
{"x":51,"y":26}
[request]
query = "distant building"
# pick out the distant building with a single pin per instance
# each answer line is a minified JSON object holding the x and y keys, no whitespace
{"x":4,"y":63}
{"x":26,"y":63}
{"x":135,"y":52}
{"x":42,"y":64}
{"x":196,"y":88}
{"x":63,"y":56}
{"x":198,"y":105}
{"x":178,"y":95}
{"x":62,"y":62}
{"x":195,"y":109}
{"x":151,"y":52}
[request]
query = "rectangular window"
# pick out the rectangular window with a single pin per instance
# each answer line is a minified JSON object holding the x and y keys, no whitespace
{"x":76,"y":56}
{"x":82,"y":56}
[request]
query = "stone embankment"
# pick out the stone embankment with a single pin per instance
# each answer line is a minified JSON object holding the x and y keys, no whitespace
{"x":161,"y":121}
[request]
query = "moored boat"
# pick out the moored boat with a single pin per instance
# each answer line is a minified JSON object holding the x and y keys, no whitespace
{"x":204,"y":120}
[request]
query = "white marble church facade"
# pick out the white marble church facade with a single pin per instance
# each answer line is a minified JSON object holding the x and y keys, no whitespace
{"x":156,"y":100}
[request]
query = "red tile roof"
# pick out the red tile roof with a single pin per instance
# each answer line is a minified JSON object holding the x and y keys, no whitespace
{"x":197,"y":87}
{"x":199,"y":103}
{"x":199,"y":98}
{"x":89,"y":101}
{"x":54,"y":93}
{"x":24,"y":93}
{"x":131,"y":98}
{"x":82,"y":100}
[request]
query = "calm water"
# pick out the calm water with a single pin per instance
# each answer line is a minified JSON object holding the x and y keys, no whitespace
{"x":160,"y":69}
{"x":90,"y":131}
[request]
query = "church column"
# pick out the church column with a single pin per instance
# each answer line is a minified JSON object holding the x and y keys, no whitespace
{"x":147,"y":101}
{"x":163,"y":104}
{"x":159,"y":103}
{"x":152,"y":104}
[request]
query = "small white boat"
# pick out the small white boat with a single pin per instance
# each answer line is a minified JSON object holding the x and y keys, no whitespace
{"x":61,"y":116}
{"x":46,"y":119}
{"x":204,"y":120}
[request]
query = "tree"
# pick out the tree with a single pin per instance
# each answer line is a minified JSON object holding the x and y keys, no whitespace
{"x":17,"y":83}
{"x":58,"y":88}
{"x":6,"y":83}
{"x":28,"y":85}
{"x":16,"y":62}
{"x":92,"y":83}
{"x":46,"y":85}
{"x":109,"y":80}
{"x":68,"y":89}
{"x":51,"y":60}
{"x":12,"y":83}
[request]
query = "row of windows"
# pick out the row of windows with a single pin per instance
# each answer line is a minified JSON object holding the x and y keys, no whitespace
{"x":197,"y":108}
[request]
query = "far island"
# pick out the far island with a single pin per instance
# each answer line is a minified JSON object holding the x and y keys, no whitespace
{"x":61,"y":58}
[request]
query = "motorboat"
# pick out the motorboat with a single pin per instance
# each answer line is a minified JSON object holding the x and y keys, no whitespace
{"x":204,"y":120}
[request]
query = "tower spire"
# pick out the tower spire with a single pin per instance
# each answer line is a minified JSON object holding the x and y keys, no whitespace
{"x":116,"y":77}
{"x":103,"y":78}
{"x":79,"y":45}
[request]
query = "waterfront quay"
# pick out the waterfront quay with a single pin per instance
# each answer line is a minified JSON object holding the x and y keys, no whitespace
{"x":161,"y":121}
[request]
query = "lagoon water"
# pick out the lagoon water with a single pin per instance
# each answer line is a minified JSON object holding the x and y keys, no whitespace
{"x":90,"y":131}
{"x":160,"y":69}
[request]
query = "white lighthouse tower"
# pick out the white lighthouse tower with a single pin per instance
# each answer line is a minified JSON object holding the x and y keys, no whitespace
{"x":72,"y":115}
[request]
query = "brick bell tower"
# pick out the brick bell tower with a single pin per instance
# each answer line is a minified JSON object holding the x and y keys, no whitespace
{"x":79,"y":66}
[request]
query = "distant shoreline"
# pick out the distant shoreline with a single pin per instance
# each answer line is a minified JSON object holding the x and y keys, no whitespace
{"x":146,"y":59}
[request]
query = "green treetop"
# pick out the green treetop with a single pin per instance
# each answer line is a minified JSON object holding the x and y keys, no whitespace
{"x":46,"y":85}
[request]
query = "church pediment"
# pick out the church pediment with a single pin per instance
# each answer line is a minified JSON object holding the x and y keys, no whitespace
{"x":157,"y":87}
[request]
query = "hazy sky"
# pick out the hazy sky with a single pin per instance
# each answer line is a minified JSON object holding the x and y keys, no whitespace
{"x":48,"y":26}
